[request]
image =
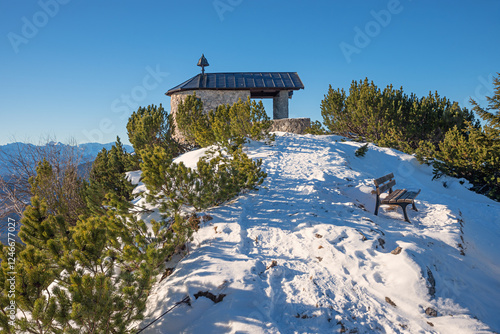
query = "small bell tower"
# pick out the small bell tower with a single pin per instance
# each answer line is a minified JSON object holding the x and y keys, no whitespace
{"x":203,"y":62}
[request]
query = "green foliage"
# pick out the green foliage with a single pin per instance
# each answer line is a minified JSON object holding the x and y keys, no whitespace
{"x":192,"y":123}
{"x":474,"y":152}
{"x":152,"y":126}
{"x":360,"y":152}
{"x":93,"y":285}
{"x":249,"y":119}
{"x":92,"y":275}
{"x":316,"y":129}
{"x":87,"y":263}
{"x":390,"y":117}
{"x":46,"y":232}
{"x":107,"y":304}
{"x":425,"y":152}
{"x":334,"y":113}
{"x":220,"y":126}
{"x":228,"y":126}
{"x":438,"y":131}
{"x":35,"y":272}
{"x":218,"y":178}
{"x":107,"y":178}
{"x":491,"y":115}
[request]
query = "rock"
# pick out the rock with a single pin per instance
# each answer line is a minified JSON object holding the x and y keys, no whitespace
{"x":431,"y":312}
{"x":292,"y":125}
{"x":388,"y":300}
{"x":397,"y":250}
{"x":431,"y":283}
{"x":209,"y":295}
{"x":167,"y":273}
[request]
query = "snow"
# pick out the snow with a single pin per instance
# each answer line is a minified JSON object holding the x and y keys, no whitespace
{"x":334,"y":270}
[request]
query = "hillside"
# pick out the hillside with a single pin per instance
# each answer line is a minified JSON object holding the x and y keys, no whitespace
{"x":305,"y":253}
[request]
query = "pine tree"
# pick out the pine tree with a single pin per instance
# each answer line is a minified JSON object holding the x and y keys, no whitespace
{"x":227,"y":125}
{"x":334,"y":113}
{"x":36,"y":295}
{"x":316,"y":128}
{"x":92,"y":275}
{"x":107,"y":179}
{"x":390,"y":117}
{"x":47,"y":232}
{"x":491,"y":115}
{"x":152,"y":126}
{"x":474,"y":152}
{"x":220,"y":125}
{"x":191,"y":121}
{"x":249,"y":119}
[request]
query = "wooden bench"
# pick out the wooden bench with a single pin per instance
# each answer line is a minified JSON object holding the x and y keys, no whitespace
{"x":400,"y":197}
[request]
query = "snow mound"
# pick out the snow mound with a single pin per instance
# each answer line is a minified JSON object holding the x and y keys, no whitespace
{"x":306,"y":254}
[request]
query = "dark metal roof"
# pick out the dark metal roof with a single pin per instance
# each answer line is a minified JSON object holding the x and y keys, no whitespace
{"x":268,"y":81}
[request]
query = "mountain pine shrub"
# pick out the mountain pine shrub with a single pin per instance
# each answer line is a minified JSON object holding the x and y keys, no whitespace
{"x":218,"y":177}
{"x":316,"y":128}
{"x":107,"y":178}
{"x":474,"y":152}
{"x":152,"y":126}
{"x":437,"y":130}
{"x":226,"y":125}
{"x":192,"y":122}
{"x":390,"y":117}
{"x":90,"y":274}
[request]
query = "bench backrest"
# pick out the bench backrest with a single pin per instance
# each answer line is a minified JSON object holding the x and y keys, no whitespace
{"x":381,"y":184}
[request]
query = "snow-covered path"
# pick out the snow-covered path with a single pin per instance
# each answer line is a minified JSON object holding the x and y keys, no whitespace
{"x":306,"y":254}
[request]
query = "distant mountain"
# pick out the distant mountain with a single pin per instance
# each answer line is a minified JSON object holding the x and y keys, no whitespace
{"x":88,"y":150}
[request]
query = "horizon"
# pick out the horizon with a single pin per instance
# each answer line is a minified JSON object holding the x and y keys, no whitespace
{"x":42,"y":143}
{"x":74,"y":71}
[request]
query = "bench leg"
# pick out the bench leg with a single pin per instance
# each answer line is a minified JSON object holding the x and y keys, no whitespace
{"x":377,"y":205}
{"x":414,"y":207}
{"x":404,"y":205}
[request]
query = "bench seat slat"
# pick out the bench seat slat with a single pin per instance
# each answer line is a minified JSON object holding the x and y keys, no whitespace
{"x":412,"y":194}
{"x":405,"y":196}
{"x":400,"y":196}
{"x":392,"y":198}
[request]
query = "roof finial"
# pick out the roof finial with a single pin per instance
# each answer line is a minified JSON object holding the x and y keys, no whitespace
{"x":203,"y":62}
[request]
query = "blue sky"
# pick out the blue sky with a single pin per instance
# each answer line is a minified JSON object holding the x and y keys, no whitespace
{"x":75,"y":69}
